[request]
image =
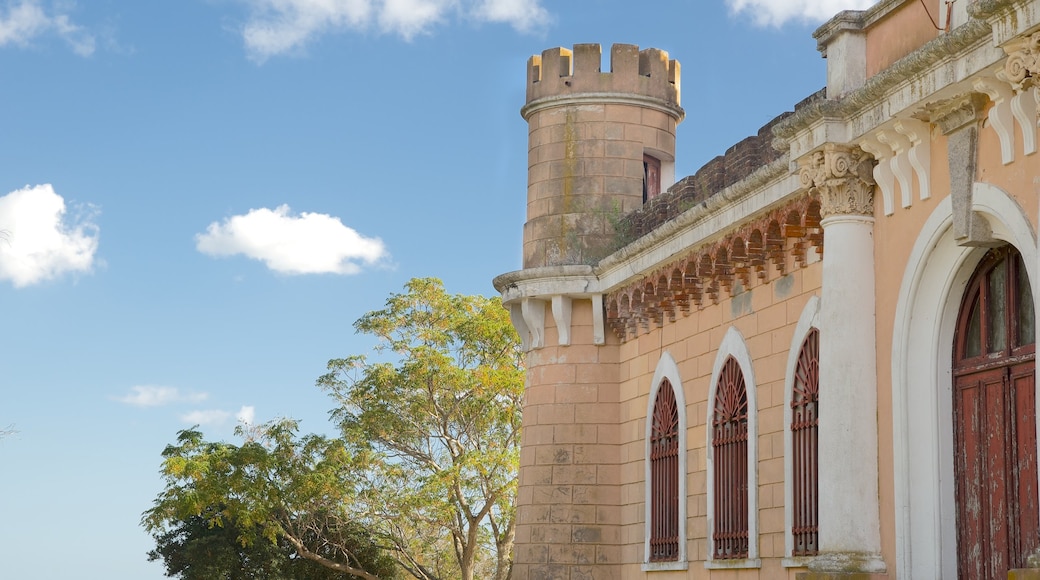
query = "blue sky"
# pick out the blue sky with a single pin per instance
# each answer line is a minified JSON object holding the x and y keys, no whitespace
{"x":199,"y":197}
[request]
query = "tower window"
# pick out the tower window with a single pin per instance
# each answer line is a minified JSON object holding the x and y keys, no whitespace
{"x":651,"y":177}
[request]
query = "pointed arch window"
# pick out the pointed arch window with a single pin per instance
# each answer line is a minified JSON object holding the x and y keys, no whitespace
{"x":805,"y":460}
{"x":664,"y":477}
{"x":730,"y":454}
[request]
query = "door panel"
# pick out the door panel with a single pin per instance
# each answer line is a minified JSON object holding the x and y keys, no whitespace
{"x":994,"y":407}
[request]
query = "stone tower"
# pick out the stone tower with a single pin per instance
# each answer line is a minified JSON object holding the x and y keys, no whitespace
{"x":593,"y":137}
{"x":600,"y":143}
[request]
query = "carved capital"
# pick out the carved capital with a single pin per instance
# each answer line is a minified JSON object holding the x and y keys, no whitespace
{"x":842,"y":176}
{"x":1023,"y":63}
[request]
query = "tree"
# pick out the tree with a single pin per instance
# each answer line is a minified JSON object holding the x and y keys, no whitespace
{"x":439,"y":427}
{"x":196,"y":548}
{"x":426,"y":465}
{"x":276,"y":491}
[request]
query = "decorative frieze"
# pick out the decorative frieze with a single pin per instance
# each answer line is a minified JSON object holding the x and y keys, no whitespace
{"x":843,"y":178}
{"x":744,"y":256}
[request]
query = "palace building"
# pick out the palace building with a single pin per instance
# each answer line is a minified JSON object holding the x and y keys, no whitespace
{"x":814,"y":358}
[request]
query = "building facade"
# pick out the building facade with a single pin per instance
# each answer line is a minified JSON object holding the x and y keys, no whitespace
{"x":814,"y":358}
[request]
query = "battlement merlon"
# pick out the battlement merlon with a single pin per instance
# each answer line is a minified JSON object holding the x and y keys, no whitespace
{"x":560,"y":74}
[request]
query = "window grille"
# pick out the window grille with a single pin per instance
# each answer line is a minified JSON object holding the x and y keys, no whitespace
{"x":664,"y":477}
{"x":730,"y":443}
{"x":804,"y":418}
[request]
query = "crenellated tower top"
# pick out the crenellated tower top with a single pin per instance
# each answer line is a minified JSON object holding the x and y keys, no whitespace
{"x":560,"y":73}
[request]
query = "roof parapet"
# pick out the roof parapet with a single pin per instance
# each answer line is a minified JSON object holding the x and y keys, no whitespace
{"x":561,"y":72}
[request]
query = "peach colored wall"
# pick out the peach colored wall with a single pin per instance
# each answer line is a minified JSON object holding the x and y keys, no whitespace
{"x":766,"y":315}
{"x":899,"y":33}
{"x":1021,"y":179}
{"x":895,"y":237}
{"x":567,"y":515}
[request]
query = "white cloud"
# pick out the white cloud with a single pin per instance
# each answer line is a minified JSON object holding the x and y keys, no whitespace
{"x":308,"y":243}
{"x":411,"y":17}
{"x":23,"y":21}
{"x":155,"y":396}
{"x":523,"y":15}
{"x":208,"y":417}
{"x":246,"y":415}
{"x":280,"y":26}
{"x":777,"y":12}
{"x":37,"y":243}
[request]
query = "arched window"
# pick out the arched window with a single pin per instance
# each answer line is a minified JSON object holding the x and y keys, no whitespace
{"x":804,"y":445}
{"x":730,"y":454}
{"x":994,"y":420}
{"x":664,"y":477}
{"x":664,"y":540}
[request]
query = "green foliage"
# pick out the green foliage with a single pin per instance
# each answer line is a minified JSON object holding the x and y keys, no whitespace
{"x":426,"y":466}
{"x":197,"y":549}
{"x":276,"y":487}
{"x":441,"y":426}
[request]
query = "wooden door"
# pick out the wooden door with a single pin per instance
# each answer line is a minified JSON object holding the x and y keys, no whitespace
{"x":998,"y":520}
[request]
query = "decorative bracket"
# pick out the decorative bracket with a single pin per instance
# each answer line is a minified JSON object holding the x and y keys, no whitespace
{"x":902,"y":150}
{"x":1000,"y":114}
{"x":919,"y":134}
{"x":900,"y":162}
{"x":1023,"y":107}
{"x":882,"y":171}
{"x":533,"y":311}
{"x":528,"y":317}
{"x":561,"y":307}
{"x":516,"y":316}
{"x":599,"y":335}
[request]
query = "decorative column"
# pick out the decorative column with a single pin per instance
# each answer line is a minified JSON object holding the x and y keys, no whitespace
{"x":850,"y":528}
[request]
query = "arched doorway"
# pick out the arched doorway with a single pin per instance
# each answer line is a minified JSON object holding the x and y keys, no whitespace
{"x":994,"y":419}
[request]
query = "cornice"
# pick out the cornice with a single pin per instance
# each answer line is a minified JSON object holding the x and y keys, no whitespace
{"x":666,"y":107}
{"x":854,"y":20}
{"x":945,"y":47}
{"x":986,"y":8}
{"x":573,"y":280}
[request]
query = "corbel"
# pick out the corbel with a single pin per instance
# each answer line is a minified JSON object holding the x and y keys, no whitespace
{"x":1023,"y":107}
{"x":561,"y":308}
{"x":533,"y":311}
{"x":900,"y":163}
{"x":883,"y":175}
{"x":516,"y":316}
{"x":919,"y":134}
{"x":598,"y":327}
{"x":1000,"y":114}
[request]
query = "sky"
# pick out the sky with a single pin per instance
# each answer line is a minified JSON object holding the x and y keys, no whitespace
{"x":198,"y":198}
